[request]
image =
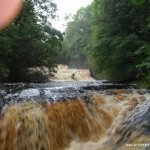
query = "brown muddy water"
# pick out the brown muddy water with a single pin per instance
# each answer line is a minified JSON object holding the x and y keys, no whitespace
{"x":74,"y":115}
{"x":65,"y":73}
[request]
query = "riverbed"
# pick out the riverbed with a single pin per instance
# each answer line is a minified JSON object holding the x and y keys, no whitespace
{"x":74,"y":115}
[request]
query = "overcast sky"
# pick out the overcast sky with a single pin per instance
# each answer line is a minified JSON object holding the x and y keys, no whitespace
{"x":67,"y":7}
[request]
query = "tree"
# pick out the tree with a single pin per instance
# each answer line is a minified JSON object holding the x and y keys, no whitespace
{"x":76,"y":39}
{"x":121,"y":47}
{"x":113,"y":36}
{"x":31,"y":41}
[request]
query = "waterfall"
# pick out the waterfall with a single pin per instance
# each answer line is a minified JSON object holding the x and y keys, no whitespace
{"x":106,"y":119}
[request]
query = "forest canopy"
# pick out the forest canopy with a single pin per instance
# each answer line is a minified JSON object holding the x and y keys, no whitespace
{"x":113,"y":39}
{"x":110,"y":37}
{"x":30,"y":41}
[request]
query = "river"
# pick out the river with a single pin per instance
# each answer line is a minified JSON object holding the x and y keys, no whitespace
{"x":74,"y":115}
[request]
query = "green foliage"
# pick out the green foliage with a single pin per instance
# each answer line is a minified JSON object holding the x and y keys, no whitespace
{"x":121,"y":47}
{"x":76,"y":39}
{"x":138,"y":2}
{"x":37,"y":77}
{"x":113,"y":36}
{"x":4,"y":71}
{"x":30,"y":41}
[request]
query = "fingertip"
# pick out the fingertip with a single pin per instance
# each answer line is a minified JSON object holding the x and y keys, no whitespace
{"x":9,"y":9}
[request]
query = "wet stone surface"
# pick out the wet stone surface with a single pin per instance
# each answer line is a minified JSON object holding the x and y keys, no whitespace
{"x":53,"y":91}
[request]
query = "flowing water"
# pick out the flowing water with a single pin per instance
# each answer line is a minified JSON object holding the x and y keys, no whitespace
{"x":74,"y":115}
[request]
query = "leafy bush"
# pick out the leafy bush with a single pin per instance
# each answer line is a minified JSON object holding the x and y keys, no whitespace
{"x":4,"y":72}
{"x":37,"y":77}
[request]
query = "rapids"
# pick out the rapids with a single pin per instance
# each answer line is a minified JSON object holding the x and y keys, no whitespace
{"x":74,"y":115}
